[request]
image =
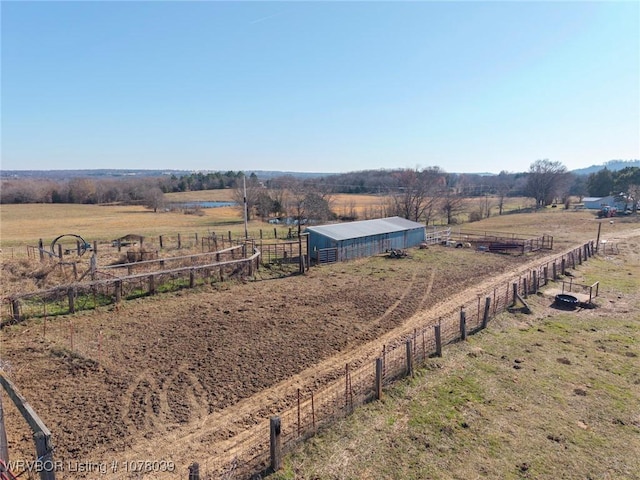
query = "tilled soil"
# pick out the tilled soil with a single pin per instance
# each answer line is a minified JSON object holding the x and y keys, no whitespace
{"x":177,"y":360}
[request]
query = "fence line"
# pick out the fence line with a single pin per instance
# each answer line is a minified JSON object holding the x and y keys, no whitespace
{"x":357,"y":386}
{"x":251,"y":450}
{"x":206,"y":241}
{"x":80,"y":296}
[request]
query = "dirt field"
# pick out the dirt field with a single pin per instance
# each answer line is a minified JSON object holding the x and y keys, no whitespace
{"x":176,"y":373}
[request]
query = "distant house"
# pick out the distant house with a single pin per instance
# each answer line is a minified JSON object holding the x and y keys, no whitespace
{"x":346,"y":241}
{"x":596,"y":203}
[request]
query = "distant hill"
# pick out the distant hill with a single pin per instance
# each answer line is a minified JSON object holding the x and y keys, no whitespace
{"x":88,"y":173}
{"x":128,"y":173}
{"x":613,"y":165}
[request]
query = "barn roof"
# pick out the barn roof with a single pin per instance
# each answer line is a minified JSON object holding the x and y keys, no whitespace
{"x":365,"y":228}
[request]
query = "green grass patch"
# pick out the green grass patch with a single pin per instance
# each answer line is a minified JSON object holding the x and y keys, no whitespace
{"x":559,"y":398}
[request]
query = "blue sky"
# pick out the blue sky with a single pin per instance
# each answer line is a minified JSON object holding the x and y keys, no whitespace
{"x":319,"y":86}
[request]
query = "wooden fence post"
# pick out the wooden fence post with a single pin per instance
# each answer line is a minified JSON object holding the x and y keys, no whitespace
{"x":118,"y":288}
{"x":15,"y":309}
{"x":42,"y":435}
{"x":409,"y":359}
{"x":534,"y":286}
{"x":194,"y":471}
{"x":71,"y":294}
{"x":463,"y":324}
{"x":485,"y":317}
{"x":44,"y":451}
{"x":495,"y":303}
{"x":299,"y":423}
{"x":546,"y":275}
{"x":152,"y":284}
{"x":515,"y":292}
{"x":40,"y":249}
{"x":438,"y":340}
{"x":196,"y":240}
{"x":4,"y":445}
{"x":555,"y":272}
{"x":179,"y":242}
{"x":192,"y":278}
{"x":95,"y":247}
{"x":563,"y":266}
{"x":525,"y":287}
{"x":378,"y":378}
{"x":160,"y":239}
{"x":275,"y":443}
{"x":60,"y":251}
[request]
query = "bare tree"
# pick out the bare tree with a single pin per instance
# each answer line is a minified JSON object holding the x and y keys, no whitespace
{"x":502,"y":185}
{"x":153,"y":198}
{"x":417,"y":195}
{"x":82,"y":190}
{"x":254,"y":190}
{"x":451,"y":205}
{"x":486,"y":204}
{"x":303,"y":203}
{"x":545,"y":181}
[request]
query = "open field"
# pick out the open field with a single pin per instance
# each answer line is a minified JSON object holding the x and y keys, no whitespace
{"x":24,"y":224}
{"x":550,"y":395}
{"x":216,"y":351}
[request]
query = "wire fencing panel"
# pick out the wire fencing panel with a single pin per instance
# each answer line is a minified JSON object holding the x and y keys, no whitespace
{"x":248,"y":451}
{"x":89,"y":295}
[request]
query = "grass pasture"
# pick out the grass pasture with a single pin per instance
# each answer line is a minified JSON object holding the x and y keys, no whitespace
{"x":182,"y":375}
{"x":551,"y":395}
{"x":24,"y":224}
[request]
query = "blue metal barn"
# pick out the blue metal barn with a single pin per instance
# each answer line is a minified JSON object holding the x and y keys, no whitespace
{"x":346,"y":241}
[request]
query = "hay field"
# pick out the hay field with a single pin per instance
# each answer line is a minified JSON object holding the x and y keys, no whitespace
{"x":25,"y":224}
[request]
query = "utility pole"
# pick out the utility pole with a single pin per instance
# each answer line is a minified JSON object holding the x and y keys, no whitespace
{"x":244,"y":185}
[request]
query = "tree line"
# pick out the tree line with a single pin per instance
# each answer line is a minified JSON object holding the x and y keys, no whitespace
{"x":419,"y":194}
{"x":110,"y":190}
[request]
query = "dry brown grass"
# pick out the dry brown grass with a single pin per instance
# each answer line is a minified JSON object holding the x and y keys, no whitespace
{"x":25,"y":224}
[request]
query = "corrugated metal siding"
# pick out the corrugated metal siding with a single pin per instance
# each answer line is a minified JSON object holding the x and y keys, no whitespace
{"x":392,"y":233}
{"x":365,"y":228}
